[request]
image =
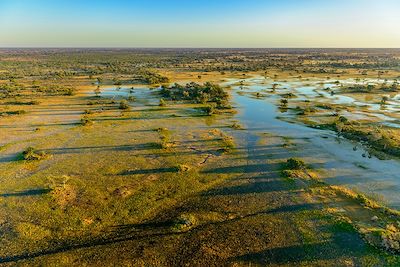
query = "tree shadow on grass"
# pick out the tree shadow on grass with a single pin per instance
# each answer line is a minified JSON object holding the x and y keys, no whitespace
{"x":343,"y":244}
{"x":264,"y":186}
{"x":162,"y":226}
{"x":249,"y":168}
{"x":149,"y":171}
{"x":75,"y":150}
{"x":139,"y":232}
{"x":30,"y":192}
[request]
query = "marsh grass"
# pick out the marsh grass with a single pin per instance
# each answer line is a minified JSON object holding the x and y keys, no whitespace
{"x":236,"y":126}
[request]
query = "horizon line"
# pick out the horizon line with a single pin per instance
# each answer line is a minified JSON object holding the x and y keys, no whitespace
{"x":178,"y":47}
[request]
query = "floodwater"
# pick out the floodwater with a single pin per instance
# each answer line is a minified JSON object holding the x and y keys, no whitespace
{"x":141,"y":94}
{"x":345,"y":162}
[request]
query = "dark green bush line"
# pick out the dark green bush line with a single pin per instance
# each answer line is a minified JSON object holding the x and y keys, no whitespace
{"x":197,"y":93}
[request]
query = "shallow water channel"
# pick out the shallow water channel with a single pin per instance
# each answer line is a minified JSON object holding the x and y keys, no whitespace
{"x":344,"y":162}
{"x":323,"y":149}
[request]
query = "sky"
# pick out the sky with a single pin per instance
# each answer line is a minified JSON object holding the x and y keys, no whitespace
{"x":200,"y":23}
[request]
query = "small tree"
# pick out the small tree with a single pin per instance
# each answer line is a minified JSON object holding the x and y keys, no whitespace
{"x":395,"y":86}
{"x":124,"y":105}
{"x":32,"y":154}
{"x":97,"y":91}
{"x":274,"y":86}
{"x":384,"y":100}
{"x":162,"y":103}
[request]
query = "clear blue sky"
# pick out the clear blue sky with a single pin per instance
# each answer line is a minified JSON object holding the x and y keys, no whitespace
{"x":206,"y":23}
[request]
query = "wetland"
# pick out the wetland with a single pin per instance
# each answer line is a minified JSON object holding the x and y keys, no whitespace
{"x":220,"y":157}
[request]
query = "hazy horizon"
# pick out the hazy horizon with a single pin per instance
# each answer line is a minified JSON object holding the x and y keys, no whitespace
{"x":195,"y":24}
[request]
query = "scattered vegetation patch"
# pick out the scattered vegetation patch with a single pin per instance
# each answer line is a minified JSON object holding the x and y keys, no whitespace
{"x":165,"y":138}
{"x":162,"y":103}
{"x":86,"y":121}
{"x":295,"y":164}
{"x":306,"y":110}
{"x":62,"y":191}
{"x":228,"y":143}
{"x":124,"y":105}
{"x":124,"y":191}
{"x":184,"y":222}
{"x":182,"y":168}
{"x":379,"y":139}
{"x":32,"y":154}
{"x":208,"y":110}
{"x":391,"y":238}
{"x":236,"y":126}
{"x":151,"y":77}
{"x":343,"y":224}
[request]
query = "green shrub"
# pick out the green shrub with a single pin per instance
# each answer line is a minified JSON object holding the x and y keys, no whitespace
{"x":295,"y":164}
{"x":162,"y":103}
{"x":124,"y":105}
{"x":236,"y":126}
{"x":85,"y":121}
{"x":227,"y":143}
{"x":343,"y":119}
{"x":164,"y":138}
{"x":209,"y":110}
{"x":32,"y":154}
{"x":97,"y":91}
{"x":69,"y":92}
{"x":184,"y":222}
{"x":182,"y":168}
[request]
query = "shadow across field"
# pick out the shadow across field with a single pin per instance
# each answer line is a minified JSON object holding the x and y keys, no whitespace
{"x":30,"y":192}
{"x":255,"y":218}
{"x":149,"y":171}
{"x":297,"y":254}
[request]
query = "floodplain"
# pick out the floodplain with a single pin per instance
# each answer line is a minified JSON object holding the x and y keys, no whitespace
{"x":236,"y":157}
